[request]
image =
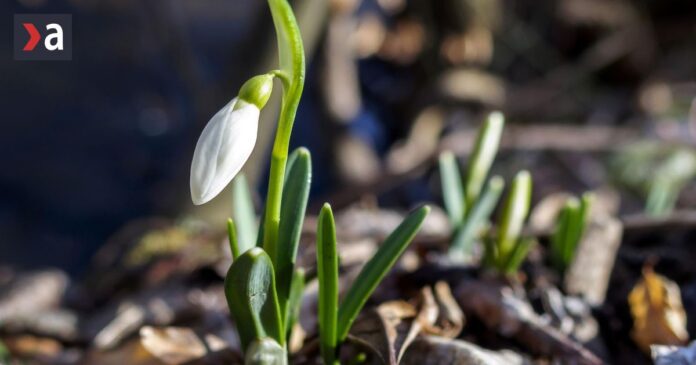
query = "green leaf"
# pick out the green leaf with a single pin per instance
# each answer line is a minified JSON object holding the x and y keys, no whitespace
{"x":232,"y":236}
{"x":265,"y":351}
{"x":477,"y":218}
{"x":452,"y":189}
{"x":560,"y":234}
{"x":327,"y":270}
{"x":251,"y":296}
{"x":518,"y":254}
{"x":573,"y":231}
{"x":295,"y":300}
{"x":243,"y":213}
{"x":514,"y":214}
{"x":482,"y":157}
{"x":294,"y":204}
{"x":375,"y":269}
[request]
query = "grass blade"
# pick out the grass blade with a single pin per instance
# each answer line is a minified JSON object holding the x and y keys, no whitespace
{"x":294,"y":204}
{"x":518,"y":254}
{"x":327,"y":270}
{"x":251,"y":296}
{"x":477,"y":217}
{"x":377,"y":268}
{"x":514,"y":214}
{"x":452,"y":189}
{"x":232,"y":236}
{"x":482,"y":156}
{"x":243,"y":213}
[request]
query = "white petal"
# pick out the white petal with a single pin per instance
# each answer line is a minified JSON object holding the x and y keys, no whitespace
{"x":222,"y":149}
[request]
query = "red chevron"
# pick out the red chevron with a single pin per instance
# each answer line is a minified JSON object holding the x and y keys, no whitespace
{"x":34,"y":36}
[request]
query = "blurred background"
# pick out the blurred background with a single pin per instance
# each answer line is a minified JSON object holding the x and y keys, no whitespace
{"x":597,"y":94}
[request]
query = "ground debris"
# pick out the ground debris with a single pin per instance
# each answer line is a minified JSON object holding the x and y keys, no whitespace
{"x":500,"y":310}
{"x":431,"y":350}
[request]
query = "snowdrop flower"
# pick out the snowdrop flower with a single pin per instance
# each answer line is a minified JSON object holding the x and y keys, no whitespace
{"x":228,"y":139}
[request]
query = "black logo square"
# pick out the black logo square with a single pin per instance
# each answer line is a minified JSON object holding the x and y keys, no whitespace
{"x":43,"y":37}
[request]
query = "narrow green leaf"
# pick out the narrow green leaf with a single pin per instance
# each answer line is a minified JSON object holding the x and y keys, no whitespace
{"x":294,"y":204}
{"x":232,"y":236}
{"x":375,"y":269}
{"x":327,"y":270}
{"x":573,"y":230}
{"x":482,"y":156}
{"x":477,"y":218}
{"x":265,"y":351}
{"x":558,"y":238}
{"x":295,"y":300}
{"x":251,"y":296}
{"x":514,"y":214}
{"x":243,"y":213}
{"x":452,"y":189}
{"x":518,"y":254}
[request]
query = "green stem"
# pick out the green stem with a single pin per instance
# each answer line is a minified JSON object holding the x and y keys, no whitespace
{"x":292,"y":64}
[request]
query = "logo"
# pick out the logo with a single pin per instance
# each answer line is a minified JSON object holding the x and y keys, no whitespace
{"x":43,"y":37}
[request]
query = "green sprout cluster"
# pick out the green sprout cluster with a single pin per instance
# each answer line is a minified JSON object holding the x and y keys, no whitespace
{"x":264,"y":285}
{"x":570,"y":226}
{"x":470,"y":204}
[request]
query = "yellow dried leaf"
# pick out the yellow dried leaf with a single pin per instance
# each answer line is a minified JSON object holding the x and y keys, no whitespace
{"x":658,"y":314}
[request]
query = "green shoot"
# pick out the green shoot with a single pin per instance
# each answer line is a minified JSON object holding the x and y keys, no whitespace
{"x":508,"y":250}
{"x":570,"y":226}
{"x":483,"y":155}
{"x":468,"y":208}
{"x":452,"y":189}
{"x":295,"y":300}
{"x":232,"y":236}
{"x":478,"y":217}
{"x":243,"y":214}
{"x":295,"y":196}
{"x":377,"y":268}
{"x":327,"y":270}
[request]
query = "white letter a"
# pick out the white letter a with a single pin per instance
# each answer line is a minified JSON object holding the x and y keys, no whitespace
{"x":57,"y":36}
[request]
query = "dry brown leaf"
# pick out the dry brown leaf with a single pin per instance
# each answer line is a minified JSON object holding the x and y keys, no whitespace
{"x":449,"y":319}
{"x":32,"y":346}
{"x":431,"y":350}
{"x":658,"y":314}
{"x":172,"y":345}
{"x":387,"y":330}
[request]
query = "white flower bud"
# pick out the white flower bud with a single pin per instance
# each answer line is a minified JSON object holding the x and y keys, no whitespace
{"x":222,"y":149}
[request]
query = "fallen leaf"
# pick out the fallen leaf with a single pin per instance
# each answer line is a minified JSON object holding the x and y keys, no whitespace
{"x":31,"y":346}
{"x":431,"y":350}
{"x":387,"y":330}
{"x":172,"y":345}
{"x":658,"y":314}
{"x":449,"y":318}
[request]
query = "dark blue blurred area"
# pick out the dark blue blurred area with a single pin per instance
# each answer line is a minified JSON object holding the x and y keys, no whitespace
{"x":89,"y":144}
